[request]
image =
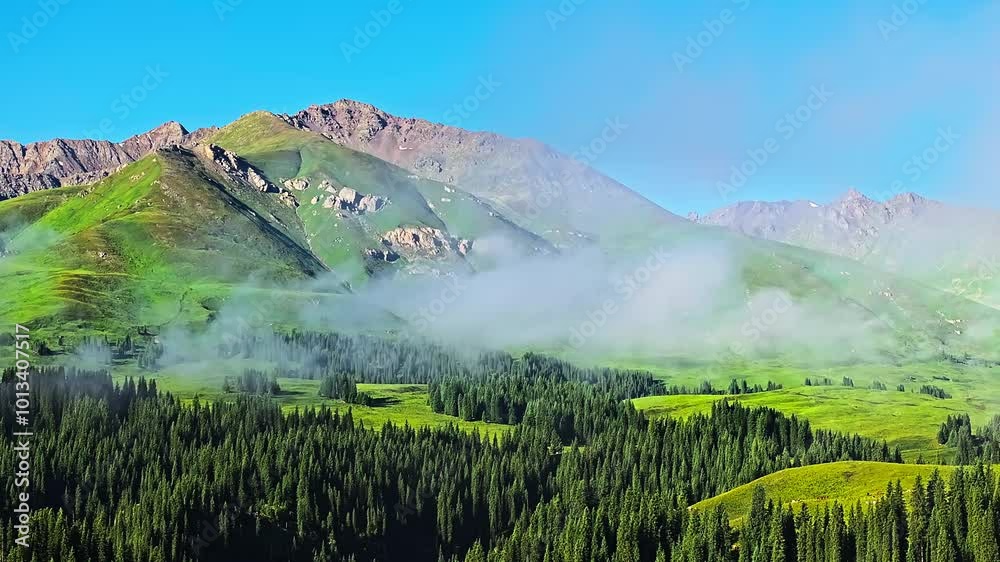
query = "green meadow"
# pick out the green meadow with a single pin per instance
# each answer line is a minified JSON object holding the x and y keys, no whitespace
{"x":399,"y":404}
{"x":907,"y":419}
{"x":815,"y":486}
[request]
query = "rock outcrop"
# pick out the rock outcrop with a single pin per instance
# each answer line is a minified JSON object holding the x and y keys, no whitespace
{"x":242,"y":171}
{"x":382,"y":254}
{"x":850,"y":226}
{"x":298,"y":184}
{"x":348,"y":199}
{"x":425,"y":242}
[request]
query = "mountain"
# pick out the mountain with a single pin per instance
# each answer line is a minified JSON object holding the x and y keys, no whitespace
{"x":163,"y":237}
{"x":364,"y":216}
{"x":169,"y":228}
{"x":561,"y":198}
{"x":952,"y":248}
{"x":48,"y":164}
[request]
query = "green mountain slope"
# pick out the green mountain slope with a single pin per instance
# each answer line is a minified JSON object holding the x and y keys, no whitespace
{"x":144,"y":246}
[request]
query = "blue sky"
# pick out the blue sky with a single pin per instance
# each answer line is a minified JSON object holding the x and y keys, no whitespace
{"x":702,"y":88}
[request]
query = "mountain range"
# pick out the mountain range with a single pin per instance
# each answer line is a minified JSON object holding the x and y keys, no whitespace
{"x":317,"y":208}
{"x":953,"y":248}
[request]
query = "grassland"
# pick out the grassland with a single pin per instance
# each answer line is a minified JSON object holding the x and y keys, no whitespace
{"x":147,"y":246}
{"x":397,"y":403}
{"x":906,"y":419}
{"x":814,"y":486}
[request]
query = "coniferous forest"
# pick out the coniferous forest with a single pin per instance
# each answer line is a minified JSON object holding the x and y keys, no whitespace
{"x":131,"y":473}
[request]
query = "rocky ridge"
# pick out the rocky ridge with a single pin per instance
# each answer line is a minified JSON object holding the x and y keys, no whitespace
{"x":58,"y":162}
{"x":530,"y":183}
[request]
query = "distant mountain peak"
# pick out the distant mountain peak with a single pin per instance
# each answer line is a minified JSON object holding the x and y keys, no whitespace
{"x":908,"y":198}
{"x":853,"y":194}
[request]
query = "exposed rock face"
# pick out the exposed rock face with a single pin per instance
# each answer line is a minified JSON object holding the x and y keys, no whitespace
{"x":348,"y":199}
{"x":298,"y":184}
{"x":13,"y":185}
{"x":242,"y":171}
{"x":525,"y":176}
{"x":382,"y":254}
{"x":43,"y":165}
{"x":424,"y":241}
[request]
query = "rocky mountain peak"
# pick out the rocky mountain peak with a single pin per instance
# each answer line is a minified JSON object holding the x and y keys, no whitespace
{"x":345,"y":104}
{"x":170,"y":129}
{"x":853,"y":194}
{"x":344,"y":121}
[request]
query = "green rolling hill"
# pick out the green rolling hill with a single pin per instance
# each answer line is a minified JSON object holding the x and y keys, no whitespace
{"x":846,"y":483}
{"x":152,"y":244}
{"x":909,"y":420}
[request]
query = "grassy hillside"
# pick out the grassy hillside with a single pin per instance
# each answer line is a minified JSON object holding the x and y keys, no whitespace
{"x":814,"y":486}
{"x":148,"y":246}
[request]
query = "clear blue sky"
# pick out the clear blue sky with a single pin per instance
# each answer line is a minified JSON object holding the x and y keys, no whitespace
{"x":560,"y":77}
